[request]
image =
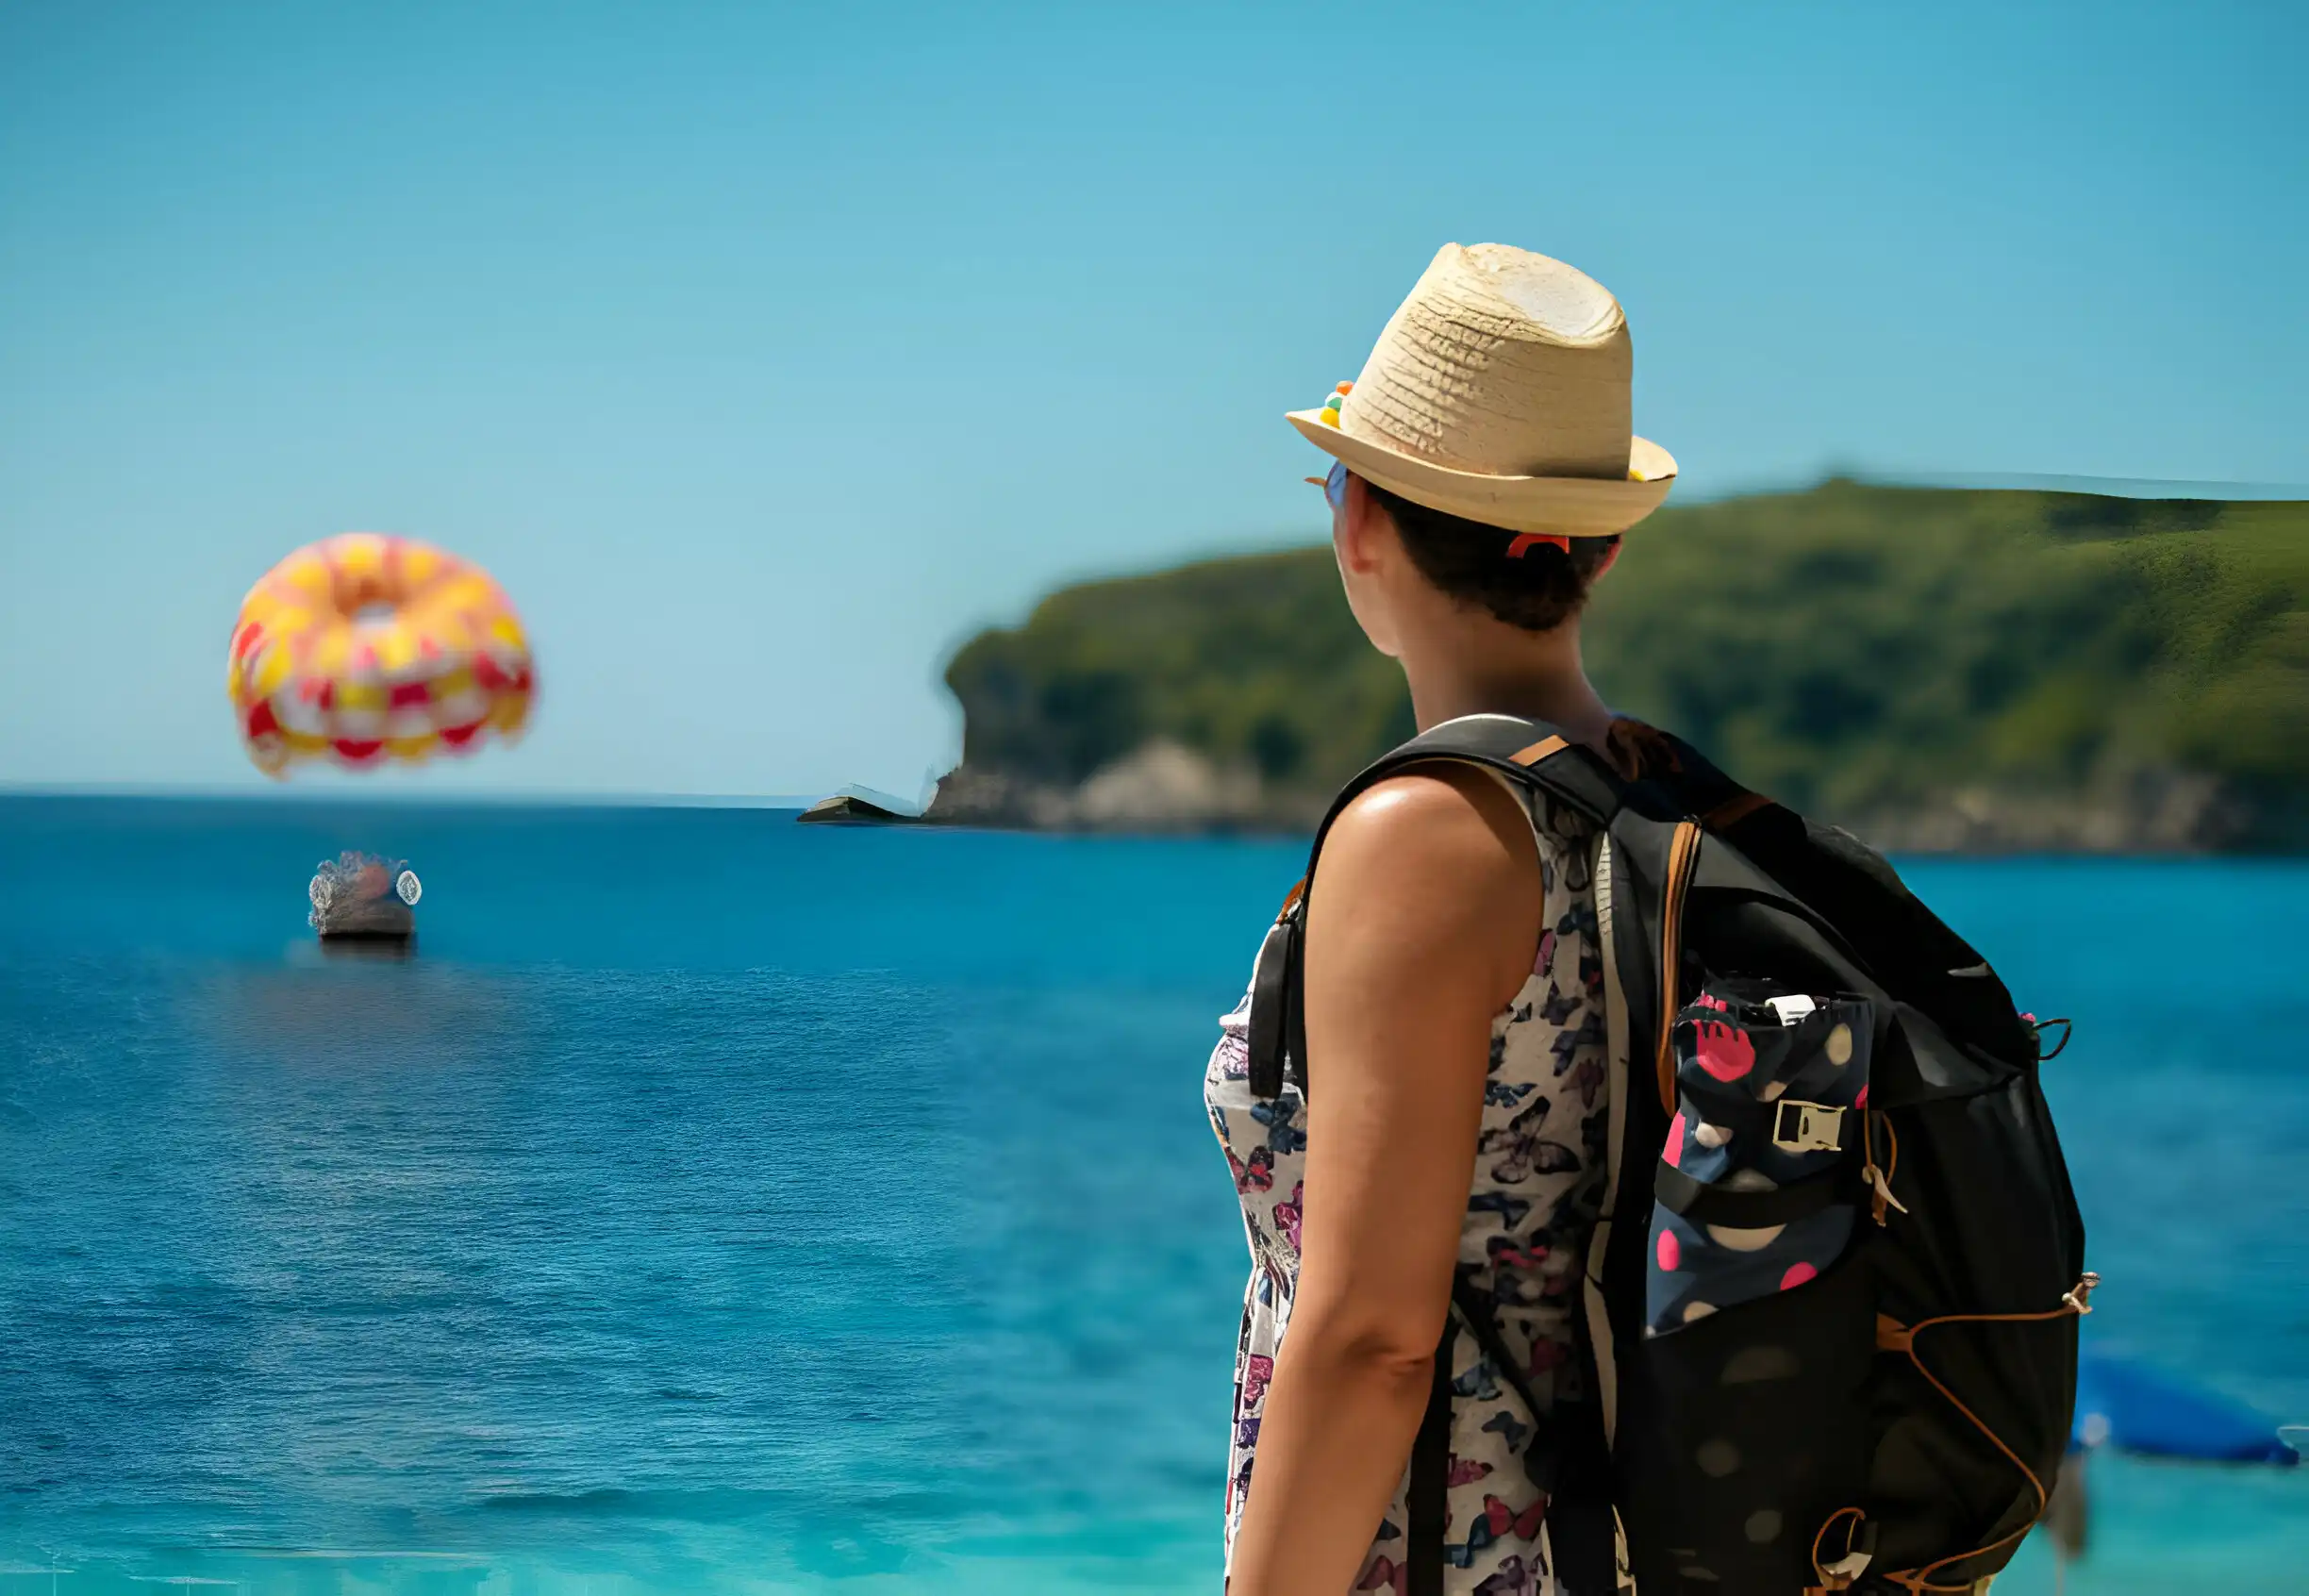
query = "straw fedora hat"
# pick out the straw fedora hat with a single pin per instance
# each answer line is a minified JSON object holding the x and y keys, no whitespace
{"x":1499,"y":392}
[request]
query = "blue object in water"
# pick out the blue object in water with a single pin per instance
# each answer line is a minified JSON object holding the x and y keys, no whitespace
{"x":2141,"y":1409}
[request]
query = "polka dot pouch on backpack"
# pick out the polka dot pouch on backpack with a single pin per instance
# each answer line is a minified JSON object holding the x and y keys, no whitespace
{"x":1771,"y":1089}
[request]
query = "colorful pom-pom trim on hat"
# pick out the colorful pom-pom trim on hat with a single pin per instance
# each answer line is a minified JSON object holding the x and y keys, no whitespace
{"x":1330,"y":405}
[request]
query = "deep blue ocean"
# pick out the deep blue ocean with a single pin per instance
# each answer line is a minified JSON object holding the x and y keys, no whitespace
{"x":714,"y":1202}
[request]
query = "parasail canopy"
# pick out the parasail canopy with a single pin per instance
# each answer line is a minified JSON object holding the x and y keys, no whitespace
{"x":366,"y":647}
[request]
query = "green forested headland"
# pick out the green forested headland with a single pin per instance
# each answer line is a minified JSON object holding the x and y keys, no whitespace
{"x":1992,"y":667}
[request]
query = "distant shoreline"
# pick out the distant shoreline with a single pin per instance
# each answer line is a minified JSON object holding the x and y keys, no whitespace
{"x":1986,"y":829}
{"x":1170,"y":792}
{"x":1960,"y":671}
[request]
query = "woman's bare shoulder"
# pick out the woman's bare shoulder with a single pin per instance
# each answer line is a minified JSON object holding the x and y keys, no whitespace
{"x":1445,"y":858}
{"x":1453,"y":816}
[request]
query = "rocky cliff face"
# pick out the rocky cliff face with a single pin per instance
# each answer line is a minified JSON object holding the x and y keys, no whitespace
{"x":1163,"y":787}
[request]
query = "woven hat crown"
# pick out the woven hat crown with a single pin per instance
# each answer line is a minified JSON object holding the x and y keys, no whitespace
{"x":1504,"y":362}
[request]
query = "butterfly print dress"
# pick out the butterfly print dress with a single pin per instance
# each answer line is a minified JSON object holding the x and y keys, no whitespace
{"x":1538,"y":1186}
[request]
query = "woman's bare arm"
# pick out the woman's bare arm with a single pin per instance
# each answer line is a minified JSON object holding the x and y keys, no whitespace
{"x":1423,"y":924}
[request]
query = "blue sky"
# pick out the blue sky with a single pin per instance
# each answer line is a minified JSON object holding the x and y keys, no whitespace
{"x":766,"y":353}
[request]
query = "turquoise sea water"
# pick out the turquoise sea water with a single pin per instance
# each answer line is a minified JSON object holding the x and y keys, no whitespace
{"x":718,"y":1203}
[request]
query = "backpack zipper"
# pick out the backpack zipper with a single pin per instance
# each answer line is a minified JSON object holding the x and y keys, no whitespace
{"x":1683,"y":853}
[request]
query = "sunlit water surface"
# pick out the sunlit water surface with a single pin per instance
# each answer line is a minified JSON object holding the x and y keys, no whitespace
{"x":714,"y":1202}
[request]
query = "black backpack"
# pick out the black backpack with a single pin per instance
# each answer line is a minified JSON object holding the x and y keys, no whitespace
{"x":1895,"y":1423}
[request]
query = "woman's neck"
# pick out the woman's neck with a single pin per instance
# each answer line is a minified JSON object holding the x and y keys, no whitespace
{"x":1539,"y":678}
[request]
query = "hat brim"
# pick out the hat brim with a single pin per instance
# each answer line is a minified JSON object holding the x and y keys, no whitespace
{"x":1576,"y":506}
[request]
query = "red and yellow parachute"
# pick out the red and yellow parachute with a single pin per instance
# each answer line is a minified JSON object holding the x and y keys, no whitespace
{"x":366,"y":647}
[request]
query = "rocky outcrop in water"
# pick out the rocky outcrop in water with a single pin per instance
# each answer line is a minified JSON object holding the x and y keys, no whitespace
{"x":1162,"y":786}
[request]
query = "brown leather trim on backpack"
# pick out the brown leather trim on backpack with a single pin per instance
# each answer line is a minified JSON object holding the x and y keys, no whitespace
{"x":1879,"y":1177}
{"x":1291,"y":901}
{"x":1539,"y":751}
{"x":1683,"y":852}
{"x":1834,"y":1582}
{"x":2075,"y":1304}
{"x":1734,"y":809}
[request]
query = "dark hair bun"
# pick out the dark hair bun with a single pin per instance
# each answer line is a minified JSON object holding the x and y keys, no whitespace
{"x":1538,"y":589}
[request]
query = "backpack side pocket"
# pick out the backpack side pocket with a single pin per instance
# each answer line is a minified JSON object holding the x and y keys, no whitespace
{"x":1757,"y":1189}
{"x":1760,"y":1303}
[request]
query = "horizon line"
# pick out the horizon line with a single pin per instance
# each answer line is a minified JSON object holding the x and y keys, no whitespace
{"x":500,"y":798}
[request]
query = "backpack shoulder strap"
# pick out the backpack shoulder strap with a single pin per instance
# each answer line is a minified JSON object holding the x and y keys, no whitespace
{"x":1531,"y":753}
